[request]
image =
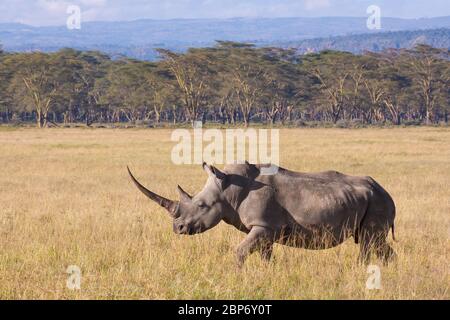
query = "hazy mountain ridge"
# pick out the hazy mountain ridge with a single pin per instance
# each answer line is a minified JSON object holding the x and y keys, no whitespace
{"x":139,"y":38}
{"x":438,"y":38}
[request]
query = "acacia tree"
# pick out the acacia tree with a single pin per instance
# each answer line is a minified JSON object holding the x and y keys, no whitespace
{"x":128,"y":90}
{"x":394,"y":91}
{"x":283,"y":87}
{"x":331,"y":70}
{"x":276,"y":101}
{"x":92,"y":66}
{"x":427,"y":67}
{"x":357,"y":105}
{"x":444,"y":98}
{"x":163,"y":93}
{"x":334,"y":93}
{"x":36,"y":83}
{"x":6,"y":74}
{"x":248,"y":83}
{"x":233,"y":64}
{"x":374,"y":97}
{"x":190,"y":72}
{"x":78,"y":71}
{"x":387,"y":86}
{"x":230,"y":83}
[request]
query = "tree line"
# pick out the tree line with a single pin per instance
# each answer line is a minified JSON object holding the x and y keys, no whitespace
{"x":230,"y":83}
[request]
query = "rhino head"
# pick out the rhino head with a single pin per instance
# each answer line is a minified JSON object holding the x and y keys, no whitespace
{"x":195,"y":214}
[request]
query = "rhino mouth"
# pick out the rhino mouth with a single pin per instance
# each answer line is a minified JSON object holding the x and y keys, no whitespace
{"x":188,"y":230}
{"x":195,"y":230}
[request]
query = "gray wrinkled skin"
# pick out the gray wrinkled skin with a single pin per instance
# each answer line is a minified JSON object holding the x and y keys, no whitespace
{"x":304,"y":210}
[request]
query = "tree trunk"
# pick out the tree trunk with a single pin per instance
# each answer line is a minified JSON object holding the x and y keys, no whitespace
{"x":246,"y":120}
{"x":40,"y":120}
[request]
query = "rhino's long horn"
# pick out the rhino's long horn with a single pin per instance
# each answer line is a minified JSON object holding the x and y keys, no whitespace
{"x":169,"y":205}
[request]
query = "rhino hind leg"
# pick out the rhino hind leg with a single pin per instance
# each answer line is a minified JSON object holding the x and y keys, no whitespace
{"x":385,"y":252}
{"x":258,"y":239}
{"x":374,"y":229}
{"x":374,"y":240}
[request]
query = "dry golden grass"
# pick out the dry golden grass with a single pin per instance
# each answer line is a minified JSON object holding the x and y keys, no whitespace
{"x":66,"y":200}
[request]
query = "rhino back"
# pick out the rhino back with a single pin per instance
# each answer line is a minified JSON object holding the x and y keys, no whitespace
{"x":327,"y":198}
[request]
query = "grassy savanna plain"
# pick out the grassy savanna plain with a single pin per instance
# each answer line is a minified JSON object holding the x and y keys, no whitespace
{"x":66,"y":199}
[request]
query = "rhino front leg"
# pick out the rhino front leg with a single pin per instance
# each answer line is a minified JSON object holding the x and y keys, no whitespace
{"x":259,"y":238}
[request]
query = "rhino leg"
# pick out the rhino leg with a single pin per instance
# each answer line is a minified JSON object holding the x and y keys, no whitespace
{"x":375,"y":228}
{"x":375,"y":240}
{"x":259,"y":238}
{"x":385,"y":252}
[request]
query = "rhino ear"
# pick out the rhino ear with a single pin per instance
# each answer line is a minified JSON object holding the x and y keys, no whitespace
{"x":211,"y":170}
{"x":183,"y":194}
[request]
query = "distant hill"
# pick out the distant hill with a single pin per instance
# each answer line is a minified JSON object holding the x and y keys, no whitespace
{"x":139,"y":38}
{"x":438,"y":38}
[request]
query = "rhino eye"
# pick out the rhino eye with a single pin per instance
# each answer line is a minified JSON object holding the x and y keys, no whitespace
{"x":201,"y":205}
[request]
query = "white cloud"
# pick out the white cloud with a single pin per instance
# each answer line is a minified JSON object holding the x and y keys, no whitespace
{"x":316,"y":4}
{"x":53,"y":12}
{"x":53,"y":6}
{"x":94,"y":3}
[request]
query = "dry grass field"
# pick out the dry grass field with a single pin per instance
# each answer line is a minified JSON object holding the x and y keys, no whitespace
{"x":66,"y":199}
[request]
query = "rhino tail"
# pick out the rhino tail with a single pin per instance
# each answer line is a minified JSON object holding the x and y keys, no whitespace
{"x":393,"y":232}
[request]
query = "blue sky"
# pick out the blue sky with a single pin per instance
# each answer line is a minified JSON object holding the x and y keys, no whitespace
{"x":53,"y":12}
